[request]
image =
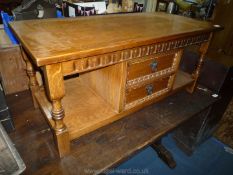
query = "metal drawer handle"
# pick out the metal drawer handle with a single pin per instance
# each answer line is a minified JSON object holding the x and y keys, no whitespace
{"x":153,"y":65}
{"x":149,"y":89}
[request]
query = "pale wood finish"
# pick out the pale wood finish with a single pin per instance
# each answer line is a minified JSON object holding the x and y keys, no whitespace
{"x":56,"y":91}
{"x":93,"y":111}
{"x":96,"y":35}
{"x":109,"y":83}
{"x":97,"y":49}
{"x":103,"y":60}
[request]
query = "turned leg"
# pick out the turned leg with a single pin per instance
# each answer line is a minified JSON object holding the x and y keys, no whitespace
{"x":60,"y":132}
{"x":33,"y":84}
{"x":164,"y":154}
{"x":55,"y":90}
{"x":203,"y":50}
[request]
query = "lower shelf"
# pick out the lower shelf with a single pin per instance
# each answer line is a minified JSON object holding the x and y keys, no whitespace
{"x":182,"y":80}
{"x":86,"y":111}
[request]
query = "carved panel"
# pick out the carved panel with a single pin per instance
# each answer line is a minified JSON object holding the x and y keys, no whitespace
{"x":147,"y":98}
{"x":90,"y":63}
{"x":140,"y":80}
{"x":135,"y":83}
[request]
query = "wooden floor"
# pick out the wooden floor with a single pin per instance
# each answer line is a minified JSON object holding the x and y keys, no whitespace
{"x":104,"y":148}
{"x":32,"y":136}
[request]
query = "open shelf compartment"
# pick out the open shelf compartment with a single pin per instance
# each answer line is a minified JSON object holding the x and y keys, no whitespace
{"x":86,"y":111}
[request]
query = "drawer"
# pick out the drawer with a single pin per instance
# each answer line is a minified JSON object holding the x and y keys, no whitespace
{"x":146,"y":90}
{"x":142,"y":67}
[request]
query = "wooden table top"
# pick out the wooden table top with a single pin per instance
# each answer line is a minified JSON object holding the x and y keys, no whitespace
{"x":55,"y":40}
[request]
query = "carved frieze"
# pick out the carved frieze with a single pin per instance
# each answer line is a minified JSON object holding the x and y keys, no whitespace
{"x":137,"y":82}
{"x":90,"y":63}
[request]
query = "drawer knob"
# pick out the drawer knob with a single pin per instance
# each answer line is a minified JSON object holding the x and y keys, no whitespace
{"x":153,"y":66}
{"x":149,"y":89}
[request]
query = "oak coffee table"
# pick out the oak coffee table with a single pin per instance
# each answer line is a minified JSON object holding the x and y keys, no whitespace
{"x":98,"y":69}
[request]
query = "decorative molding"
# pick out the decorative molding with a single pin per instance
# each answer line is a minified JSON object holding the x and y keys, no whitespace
{"x":90,"y":63}
{"x":147,"y":98}
{"x":135,"y":83}
{"x":154,"y":95}
{"x":150,"y":56}
{"x":171,"y":81}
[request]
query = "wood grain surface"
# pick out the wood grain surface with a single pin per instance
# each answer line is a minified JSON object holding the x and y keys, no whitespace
{"x":138,"y":93}
{"x":109,"y":83}
{"x":86,"y":111}
{"x":56,"y":40}
{"x":12,"y":68}
{"x":69,"y":46}
{"x":142,"y":67}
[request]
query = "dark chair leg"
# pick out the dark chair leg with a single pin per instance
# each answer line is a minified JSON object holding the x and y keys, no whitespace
{"x":164,"y":154}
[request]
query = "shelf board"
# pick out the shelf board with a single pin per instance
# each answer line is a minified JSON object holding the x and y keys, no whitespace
{"x":182,"y":80}
{"x":86,"y":111}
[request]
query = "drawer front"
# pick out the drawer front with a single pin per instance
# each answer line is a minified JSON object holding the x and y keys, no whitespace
{"x":146,"y":90}
{"x":151,"y":65}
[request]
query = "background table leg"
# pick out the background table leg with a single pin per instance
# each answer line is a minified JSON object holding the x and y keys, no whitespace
{"x":203,"y":50}
{"x":33,"y":84}
{"x":164,"y":154}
